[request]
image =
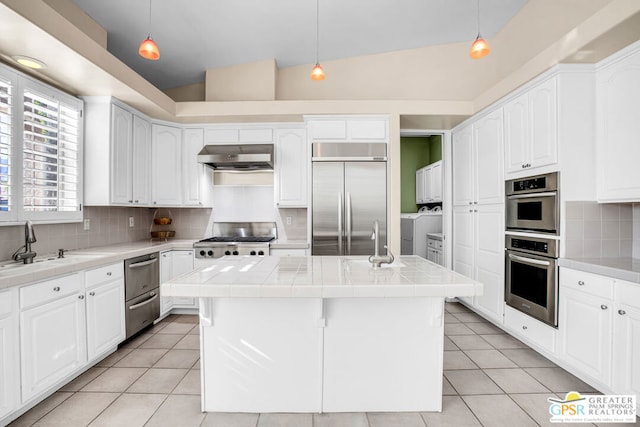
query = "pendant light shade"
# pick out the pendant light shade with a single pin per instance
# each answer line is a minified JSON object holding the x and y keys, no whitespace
{"x":480,"y":47}
{"x":317,"y":73}
{"x":149,"y":49}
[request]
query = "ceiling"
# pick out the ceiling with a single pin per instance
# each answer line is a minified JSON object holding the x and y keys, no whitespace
{"x":197,"y":35}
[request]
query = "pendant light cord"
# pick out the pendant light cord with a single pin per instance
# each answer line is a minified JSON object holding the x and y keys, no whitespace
{"x":478,"y":16}
{"x":149,"y":27}
{"x":317,"y":31}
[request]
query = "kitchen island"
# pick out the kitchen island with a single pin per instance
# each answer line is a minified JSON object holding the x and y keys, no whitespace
{"x":321,"y":334}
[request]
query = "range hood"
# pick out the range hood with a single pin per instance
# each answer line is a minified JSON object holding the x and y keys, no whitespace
{"x":244,"y":157}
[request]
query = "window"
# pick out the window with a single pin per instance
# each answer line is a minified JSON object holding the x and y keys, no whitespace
{"x":40,"y":153}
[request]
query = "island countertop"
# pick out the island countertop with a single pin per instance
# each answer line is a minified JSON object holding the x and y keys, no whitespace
{"x":320,"y":277}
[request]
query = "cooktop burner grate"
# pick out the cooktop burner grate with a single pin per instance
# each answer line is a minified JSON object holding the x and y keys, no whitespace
{"x":239,"y":239}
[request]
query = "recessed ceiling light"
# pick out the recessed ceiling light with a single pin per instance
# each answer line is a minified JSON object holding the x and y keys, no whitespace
{"x":30,"y":62}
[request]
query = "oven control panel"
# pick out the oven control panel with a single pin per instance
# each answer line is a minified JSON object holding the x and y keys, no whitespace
{"x":533,"y":245}
{"x":530,"y":245}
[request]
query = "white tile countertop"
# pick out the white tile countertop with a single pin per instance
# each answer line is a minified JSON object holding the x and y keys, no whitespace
{"x":617,"y":268}
{"x":320,"y":277}
{"x":46,"y":267}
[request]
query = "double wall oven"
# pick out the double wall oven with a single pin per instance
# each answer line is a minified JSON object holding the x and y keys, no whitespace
{"x":532,"y":246}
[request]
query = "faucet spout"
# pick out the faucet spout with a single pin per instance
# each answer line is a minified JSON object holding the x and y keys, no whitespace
{"x":376,"y":259}
{"x":27,"y":255}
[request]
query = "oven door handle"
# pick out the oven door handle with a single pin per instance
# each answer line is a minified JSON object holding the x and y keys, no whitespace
{"x":143,"y":263}
{"x":145,"y":302}
{"x":532,"y":195}
{"x":529,"y":260}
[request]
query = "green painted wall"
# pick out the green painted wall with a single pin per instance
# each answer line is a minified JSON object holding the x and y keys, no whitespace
{"x":415,"y":152}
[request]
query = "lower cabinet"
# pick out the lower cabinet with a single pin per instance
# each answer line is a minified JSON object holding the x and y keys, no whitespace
{"x":9,"y":356}
{"x":52,"y":333}
{"x":174,"y":263}
{"x":626,"y":339}
{"x":530,"y":330}
{"x":105,"y":309}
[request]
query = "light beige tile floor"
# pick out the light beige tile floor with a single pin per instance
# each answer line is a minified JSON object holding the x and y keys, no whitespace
{"x":490,"y":379}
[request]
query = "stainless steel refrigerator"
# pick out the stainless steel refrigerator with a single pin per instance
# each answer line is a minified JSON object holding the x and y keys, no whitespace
{"x":349,"y":194}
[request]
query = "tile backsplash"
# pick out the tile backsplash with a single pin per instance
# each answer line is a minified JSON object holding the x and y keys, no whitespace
{"x":595,"y":230}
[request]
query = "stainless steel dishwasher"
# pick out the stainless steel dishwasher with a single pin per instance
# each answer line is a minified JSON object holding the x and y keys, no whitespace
{"x":142,"y":293}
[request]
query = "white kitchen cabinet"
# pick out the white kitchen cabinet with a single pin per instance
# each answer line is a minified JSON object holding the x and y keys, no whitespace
{"x":117,"y":154}
{"x":196,"y":178}
{"x":9,"y":355}
{"x":173,"y":263}
{"x":626,"y":339}
{"x":52,"y":333}
{"x":348,"y":128}
{"x":291,"y":167}
{"x":287,"y":252}
{"x":435,"y":249}
{"x":166,"y":177}
{"x":585,"y":326}
{"x":105,"y":309}
{"x":429,"y":183}
{"x":531,"y":128}
{"x":530,"y":330}
{"x":618,"y":127}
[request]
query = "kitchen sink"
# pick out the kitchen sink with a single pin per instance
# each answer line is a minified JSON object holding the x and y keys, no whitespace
{"x":47,"y":261}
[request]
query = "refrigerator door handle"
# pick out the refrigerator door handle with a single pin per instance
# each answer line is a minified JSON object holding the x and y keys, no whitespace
{"x":340,"y":232}
{"x":348,"y":220}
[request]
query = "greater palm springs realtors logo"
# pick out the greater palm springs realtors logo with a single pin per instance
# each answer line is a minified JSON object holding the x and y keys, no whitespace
{"x":588,"y":409}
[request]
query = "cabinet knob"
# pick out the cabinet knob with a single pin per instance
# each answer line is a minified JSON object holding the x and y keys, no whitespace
{"x":470,"y":203}
{"x":524,"y":327}
{"x":470,"y":210}
{"x":622,"y":312}
{"x":92,"y":293}
{"x":580,"y":283}
{"x":80,"y":296}
{"x":130,"y":201}
{"x":108,"y":273}
{"x":137,"y":201}
{"x":604,"y":307}
{"x":475,"y":203}
{"x":56,"y":289}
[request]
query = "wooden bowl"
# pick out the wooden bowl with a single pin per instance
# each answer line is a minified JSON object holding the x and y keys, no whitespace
{"x":162,"y":220}
{"x":162,"y":234}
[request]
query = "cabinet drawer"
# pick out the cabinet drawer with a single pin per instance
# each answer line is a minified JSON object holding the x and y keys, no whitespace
{"x":432,"y":243}
{"x":587,"y":282}
{"x":531,"y":329}
{"x":628,"y":293}
{"x":50,"y":290}
{"x":104,"y":274}
{"x":439,"y":244}
{"x":5,"y":303}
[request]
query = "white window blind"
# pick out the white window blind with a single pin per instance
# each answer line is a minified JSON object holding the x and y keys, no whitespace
{"x":6,"y":200}
{"x":50,"y":155}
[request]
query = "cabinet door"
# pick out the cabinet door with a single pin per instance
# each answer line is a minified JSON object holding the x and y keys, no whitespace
{"x":618,"y":103}
{"x":141,"y":167}
{"x":193,"y":173}
{"x":463,"y":167}
{"x":166,"y":273}
{"x":183,"y":263}
{"x":544,"y":123}
{"x":489,"y":258}
{"x":489,"y":177}
{"x":420,"y":193}
{"x":121,"y":160}
{"x":52,"y":343}
{"x":105,"y":317}
{"x":9,"y":367}
{"x":166,"y":150}
{"x":292,"y":166}
{"x":516,"y":134}
{"x":463,"y":240}
{"x":436,"y":182}
{"x":585,"y":328}
{"x":626,"y":363}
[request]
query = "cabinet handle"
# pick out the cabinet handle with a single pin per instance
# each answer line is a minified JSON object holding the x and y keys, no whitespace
{"x":475,"y":210}
{"x":80,"y":296}
{"x":56,"y":289}
{"x":475,"y":203}
{"x":580,"y":283}
{"x":130,"y":201}
{"x":92,"y":293}
{"x":470,"y":210}
{"x":137,"y":201}
{"x":604,"y":307}
{"x":622,"y":312}
{"x":525,"y":327}
{"x":470,"y":203}
{"x":108,"y":273}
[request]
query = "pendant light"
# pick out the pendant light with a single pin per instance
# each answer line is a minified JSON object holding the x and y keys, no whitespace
{"x":480,"y":47}
{"x":317,"y":73}
{"x":148,"y":48}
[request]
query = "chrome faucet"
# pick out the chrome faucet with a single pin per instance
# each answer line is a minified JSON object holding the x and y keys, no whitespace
{"x":29,"y":237}
{"x":376,"y":259}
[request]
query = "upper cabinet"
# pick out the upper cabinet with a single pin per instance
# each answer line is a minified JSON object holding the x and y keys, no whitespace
{"x":429,"y":183}
{"x":117,"y":155}
{"x":166,"y":180}
{"x":530,"y":128}
{"x":291,"y":167}
{"x":197,"y":180}
{"x":348,"y":128}
{"x":618,"y":127}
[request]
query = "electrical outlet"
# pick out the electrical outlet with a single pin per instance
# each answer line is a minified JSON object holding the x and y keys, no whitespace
{"x":289,"y":220}
{"x":131,"y":221}
{"x":87,"y":224}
